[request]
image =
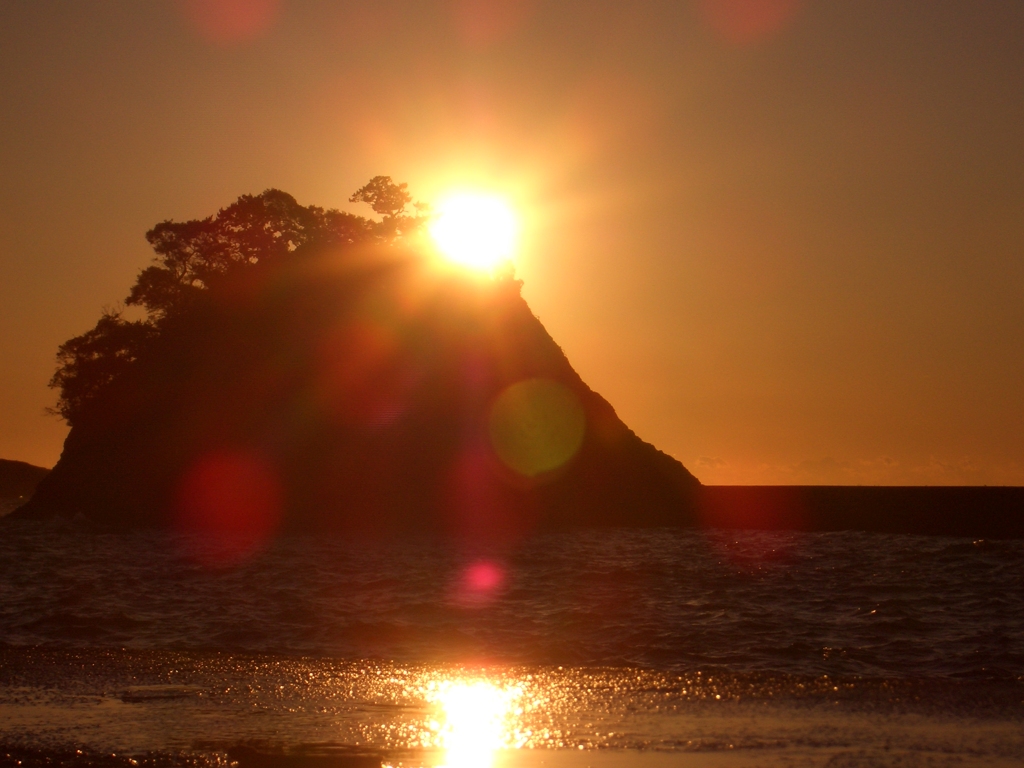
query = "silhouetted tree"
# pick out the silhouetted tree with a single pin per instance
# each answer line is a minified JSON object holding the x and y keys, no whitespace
{"x":391,"y":200}
{"x":192,"y":256}
{"x":88,"y":363}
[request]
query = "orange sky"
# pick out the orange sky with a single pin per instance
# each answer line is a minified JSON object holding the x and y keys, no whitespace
{"x":784,"y":238}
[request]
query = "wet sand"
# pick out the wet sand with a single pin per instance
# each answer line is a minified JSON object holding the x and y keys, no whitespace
{"x":784,"y":758}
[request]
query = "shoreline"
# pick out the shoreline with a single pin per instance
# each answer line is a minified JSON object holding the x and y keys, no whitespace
{"x":123,"y":709}
{"x":967,"y":511}
{"x":852,"y":755}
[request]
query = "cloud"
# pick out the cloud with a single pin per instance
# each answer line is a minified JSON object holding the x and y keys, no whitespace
{"x":876,"y":470}
{"x":710,"y":462}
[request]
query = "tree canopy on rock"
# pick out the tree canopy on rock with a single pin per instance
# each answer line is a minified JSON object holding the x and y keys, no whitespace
{"x":193,"y":256}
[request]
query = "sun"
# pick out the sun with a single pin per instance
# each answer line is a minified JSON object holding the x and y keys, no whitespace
{"x":475,"y":230}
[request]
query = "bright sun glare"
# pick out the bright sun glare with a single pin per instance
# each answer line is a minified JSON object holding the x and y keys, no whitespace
{"x":474,"y":230}
{"x":475,"y":721}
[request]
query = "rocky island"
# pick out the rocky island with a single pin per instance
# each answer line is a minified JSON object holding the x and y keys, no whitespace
{"x":309,"y":370}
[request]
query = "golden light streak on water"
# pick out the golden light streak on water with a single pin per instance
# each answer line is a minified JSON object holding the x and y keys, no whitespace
{"x":476,"y":719}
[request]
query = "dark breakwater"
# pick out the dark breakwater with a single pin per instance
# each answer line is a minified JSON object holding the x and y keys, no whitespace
{"x":974,"y":511}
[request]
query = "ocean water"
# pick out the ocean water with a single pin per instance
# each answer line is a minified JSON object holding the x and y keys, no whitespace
{"x":653,"y":647}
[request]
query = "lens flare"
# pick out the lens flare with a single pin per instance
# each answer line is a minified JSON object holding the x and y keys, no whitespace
{"x":742,"y":22}
{"x":229,"y":504}
{"x":475,"y":231}
{"x":536,"y":426}
{"x":230,"y":22}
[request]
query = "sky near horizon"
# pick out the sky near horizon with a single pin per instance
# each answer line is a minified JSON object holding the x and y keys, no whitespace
{"x":784,"y":238}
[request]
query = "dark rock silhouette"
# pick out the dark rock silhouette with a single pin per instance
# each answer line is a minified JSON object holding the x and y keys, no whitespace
{"x":354,"y":390}
{"x":18,"y":479}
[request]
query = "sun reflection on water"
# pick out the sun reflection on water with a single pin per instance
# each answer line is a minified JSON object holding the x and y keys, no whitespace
{"x":476,"y":718}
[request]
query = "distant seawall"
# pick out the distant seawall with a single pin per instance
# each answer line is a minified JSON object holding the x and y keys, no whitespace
{"x":995,"y":512}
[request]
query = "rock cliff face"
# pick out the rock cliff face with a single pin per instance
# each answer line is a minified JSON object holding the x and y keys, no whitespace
{"x":364,"y":393}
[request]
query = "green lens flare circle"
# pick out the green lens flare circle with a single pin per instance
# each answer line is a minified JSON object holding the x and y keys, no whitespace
{"x":536,"y":426}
